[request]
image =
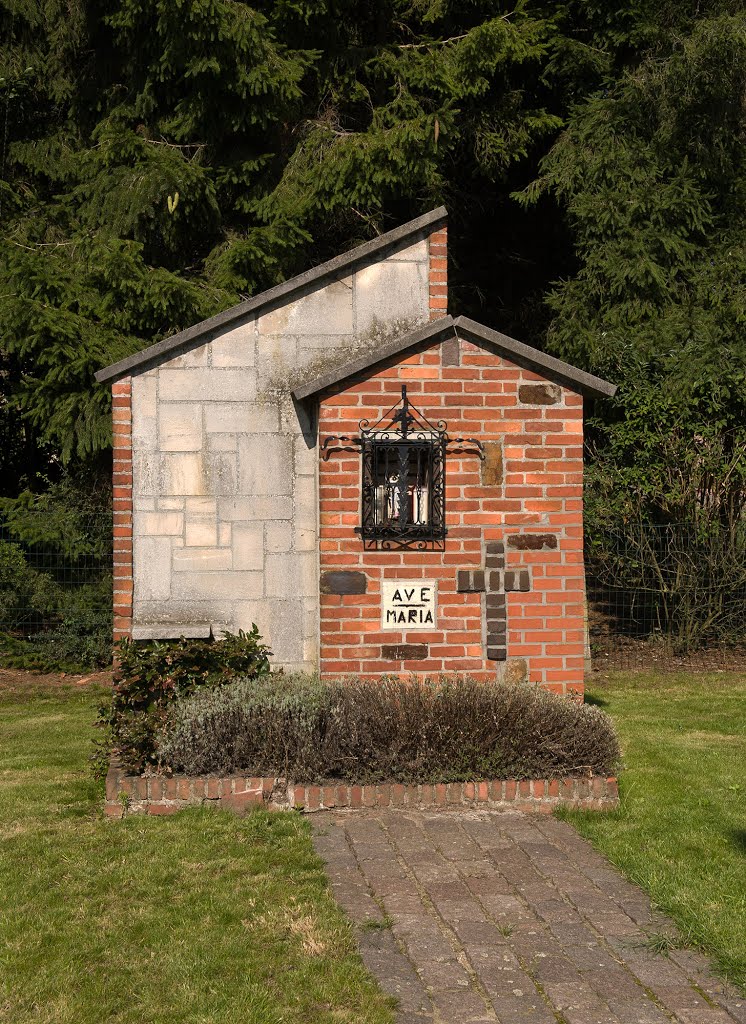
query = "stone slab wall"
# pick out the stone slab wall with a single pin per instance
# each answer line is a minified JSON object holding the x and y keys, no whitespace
{"x":224,"y":478}
{"x":510,"y":573}
{"x":157,"y":794}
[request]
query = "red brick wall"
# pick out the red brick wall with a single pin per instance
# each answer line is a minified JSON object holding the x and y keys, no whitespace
{"x":122,"y":485}
{"x":541,"y":494}
{"x":438,"y":250}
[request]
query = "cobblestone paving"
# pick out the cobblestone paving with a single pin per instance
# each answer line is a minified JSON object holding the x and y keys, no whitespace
{"x":472,"y":917}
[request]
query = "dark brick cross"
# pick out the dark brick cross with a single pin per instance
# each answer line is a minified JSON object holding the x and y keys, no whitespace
{"x":496,"y":582}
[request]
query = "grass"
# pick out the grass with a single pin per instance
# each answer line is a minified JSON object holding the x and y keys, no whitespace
{"x":680,"y":832}
{"x":201,"y":918}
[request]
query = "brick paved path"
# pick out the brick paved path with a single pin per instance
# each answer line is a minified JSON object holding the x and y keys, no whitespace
{"x":510,"y":918}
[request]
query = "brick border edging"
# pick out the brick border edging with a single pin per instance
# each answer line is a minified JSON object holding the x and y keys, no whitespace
{"x":158,"y":794}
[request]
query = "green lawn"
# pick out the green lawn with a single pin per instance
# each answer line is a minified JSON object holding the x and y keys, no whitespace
{"x":202,"y":917}
{"x":680,"y":831}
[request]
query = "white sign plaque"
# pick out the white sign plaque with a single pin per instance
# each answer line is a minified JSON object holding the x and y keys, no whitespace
{"x":408,"y":604}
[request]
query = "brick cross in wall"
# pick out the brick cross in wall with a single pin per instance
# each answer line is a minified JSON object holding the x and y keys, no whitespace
{"x":495,"y":581}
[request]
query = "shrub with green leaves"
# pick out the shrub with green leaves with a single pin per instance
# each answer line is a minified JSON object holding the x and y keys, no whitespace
{"x":152,"y":675}
{"x":389,"y":730}
{"x":25,"y":594}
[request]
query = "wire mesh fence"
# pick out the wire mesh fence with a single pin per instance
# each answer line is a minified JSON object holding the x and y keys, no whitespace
{"x":55,"y":590}
{"x":669,"y":597}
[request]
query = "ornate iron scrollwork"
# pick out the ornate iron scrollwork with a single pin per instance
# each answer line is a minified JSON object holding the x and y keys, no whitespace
{"x":404,"y":475}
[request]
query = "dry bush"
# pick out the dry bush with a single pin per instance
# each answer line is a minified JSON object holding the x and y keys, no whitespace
{"x":452,"y":730}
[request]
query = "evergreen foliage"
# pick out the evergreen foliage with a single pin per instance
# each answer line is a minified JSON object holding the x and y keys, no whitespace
{"x":160,"y":159}
{"x":653,"y":177}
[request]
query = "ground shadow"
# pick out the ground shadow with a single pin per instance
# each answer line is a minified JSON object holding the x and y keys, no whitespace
{"x":738,"y":838}
{"x":597,"y":702}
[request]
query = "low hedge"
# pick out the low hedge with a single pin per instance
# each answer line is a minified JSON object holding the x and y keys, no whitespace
{"x":151,"y":675}
{"x":385,"y":731}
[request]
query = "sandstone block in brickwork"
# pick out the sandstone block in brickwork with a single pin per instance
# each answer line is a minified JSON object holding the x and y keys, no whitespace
{"x":158,"y":524}
{"x":514,"y":671}
{"x":201,"y":533}
{"x":242,"y":417}
{"x":206,"y":384}
{"x":152,"y":568}
{"x":235,"y":347}
{"x":211,"y":586}
{"x":532,"y":541}
{"x":404,"y":652}
{"x":182,"y":473}
{"x":343,"y":582}
{"x":540,"y":394}
{"x":179,"y":427}
{"x":201,"y":559}
{"x":389,"y":292}
{"x":325,"y":310}
{"x":290,"y":576}
{"x":170,"y":504}
{"x":265,"y":464}
{"x":248,"y":545}
{"x":492,"y":464}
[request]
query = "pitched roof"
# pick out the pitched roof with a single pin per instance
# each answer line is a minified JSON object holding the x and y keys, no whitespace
{"x":281,"y":293}
{"x":552,"y":369}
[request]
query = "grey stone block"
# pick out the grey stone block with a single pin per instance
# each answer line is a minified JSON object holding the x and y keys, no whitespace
{"x":201,"y":559}
{"x":248,"y":545}
{"x":418,"y":252}
{"x":146,"y":476}
{"x":221,"y":442}
{"x":152,"y":568}
{"x":325,"y":310}
{"x":201,"y":533}
{"x":206,"y":384}
{"x":145,"y":411}
{"x":190,"y":356}
{"x":213,"y":586}
{"x":250,"y":509}
{"x":182,"y":473}
{"x":391,"y":291}
{"x":290,"y":576}
{"x":157,"y":524}
{"x":235,"y":347}
{"x":201,"y":508}
{"x":220,"y":473}
{"x":278,"y":536}
{"x":172,"y":631}
{"x":180,"y":427}
{"x":242,"y":417}
{"x":265,"y":464}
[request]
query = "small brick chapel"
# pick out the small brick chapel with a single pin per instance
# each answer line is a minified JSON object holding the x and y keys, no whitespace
{"x":381,"y":488}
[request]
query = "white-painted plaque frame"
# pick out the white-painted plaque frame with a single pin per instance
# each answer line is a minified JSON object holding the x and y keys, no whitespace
{"x":408,"y":605}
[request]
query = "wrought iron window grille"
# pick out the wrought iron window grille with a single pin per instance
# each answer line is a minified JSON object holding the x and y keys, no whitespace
{"x":403,"y":475}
